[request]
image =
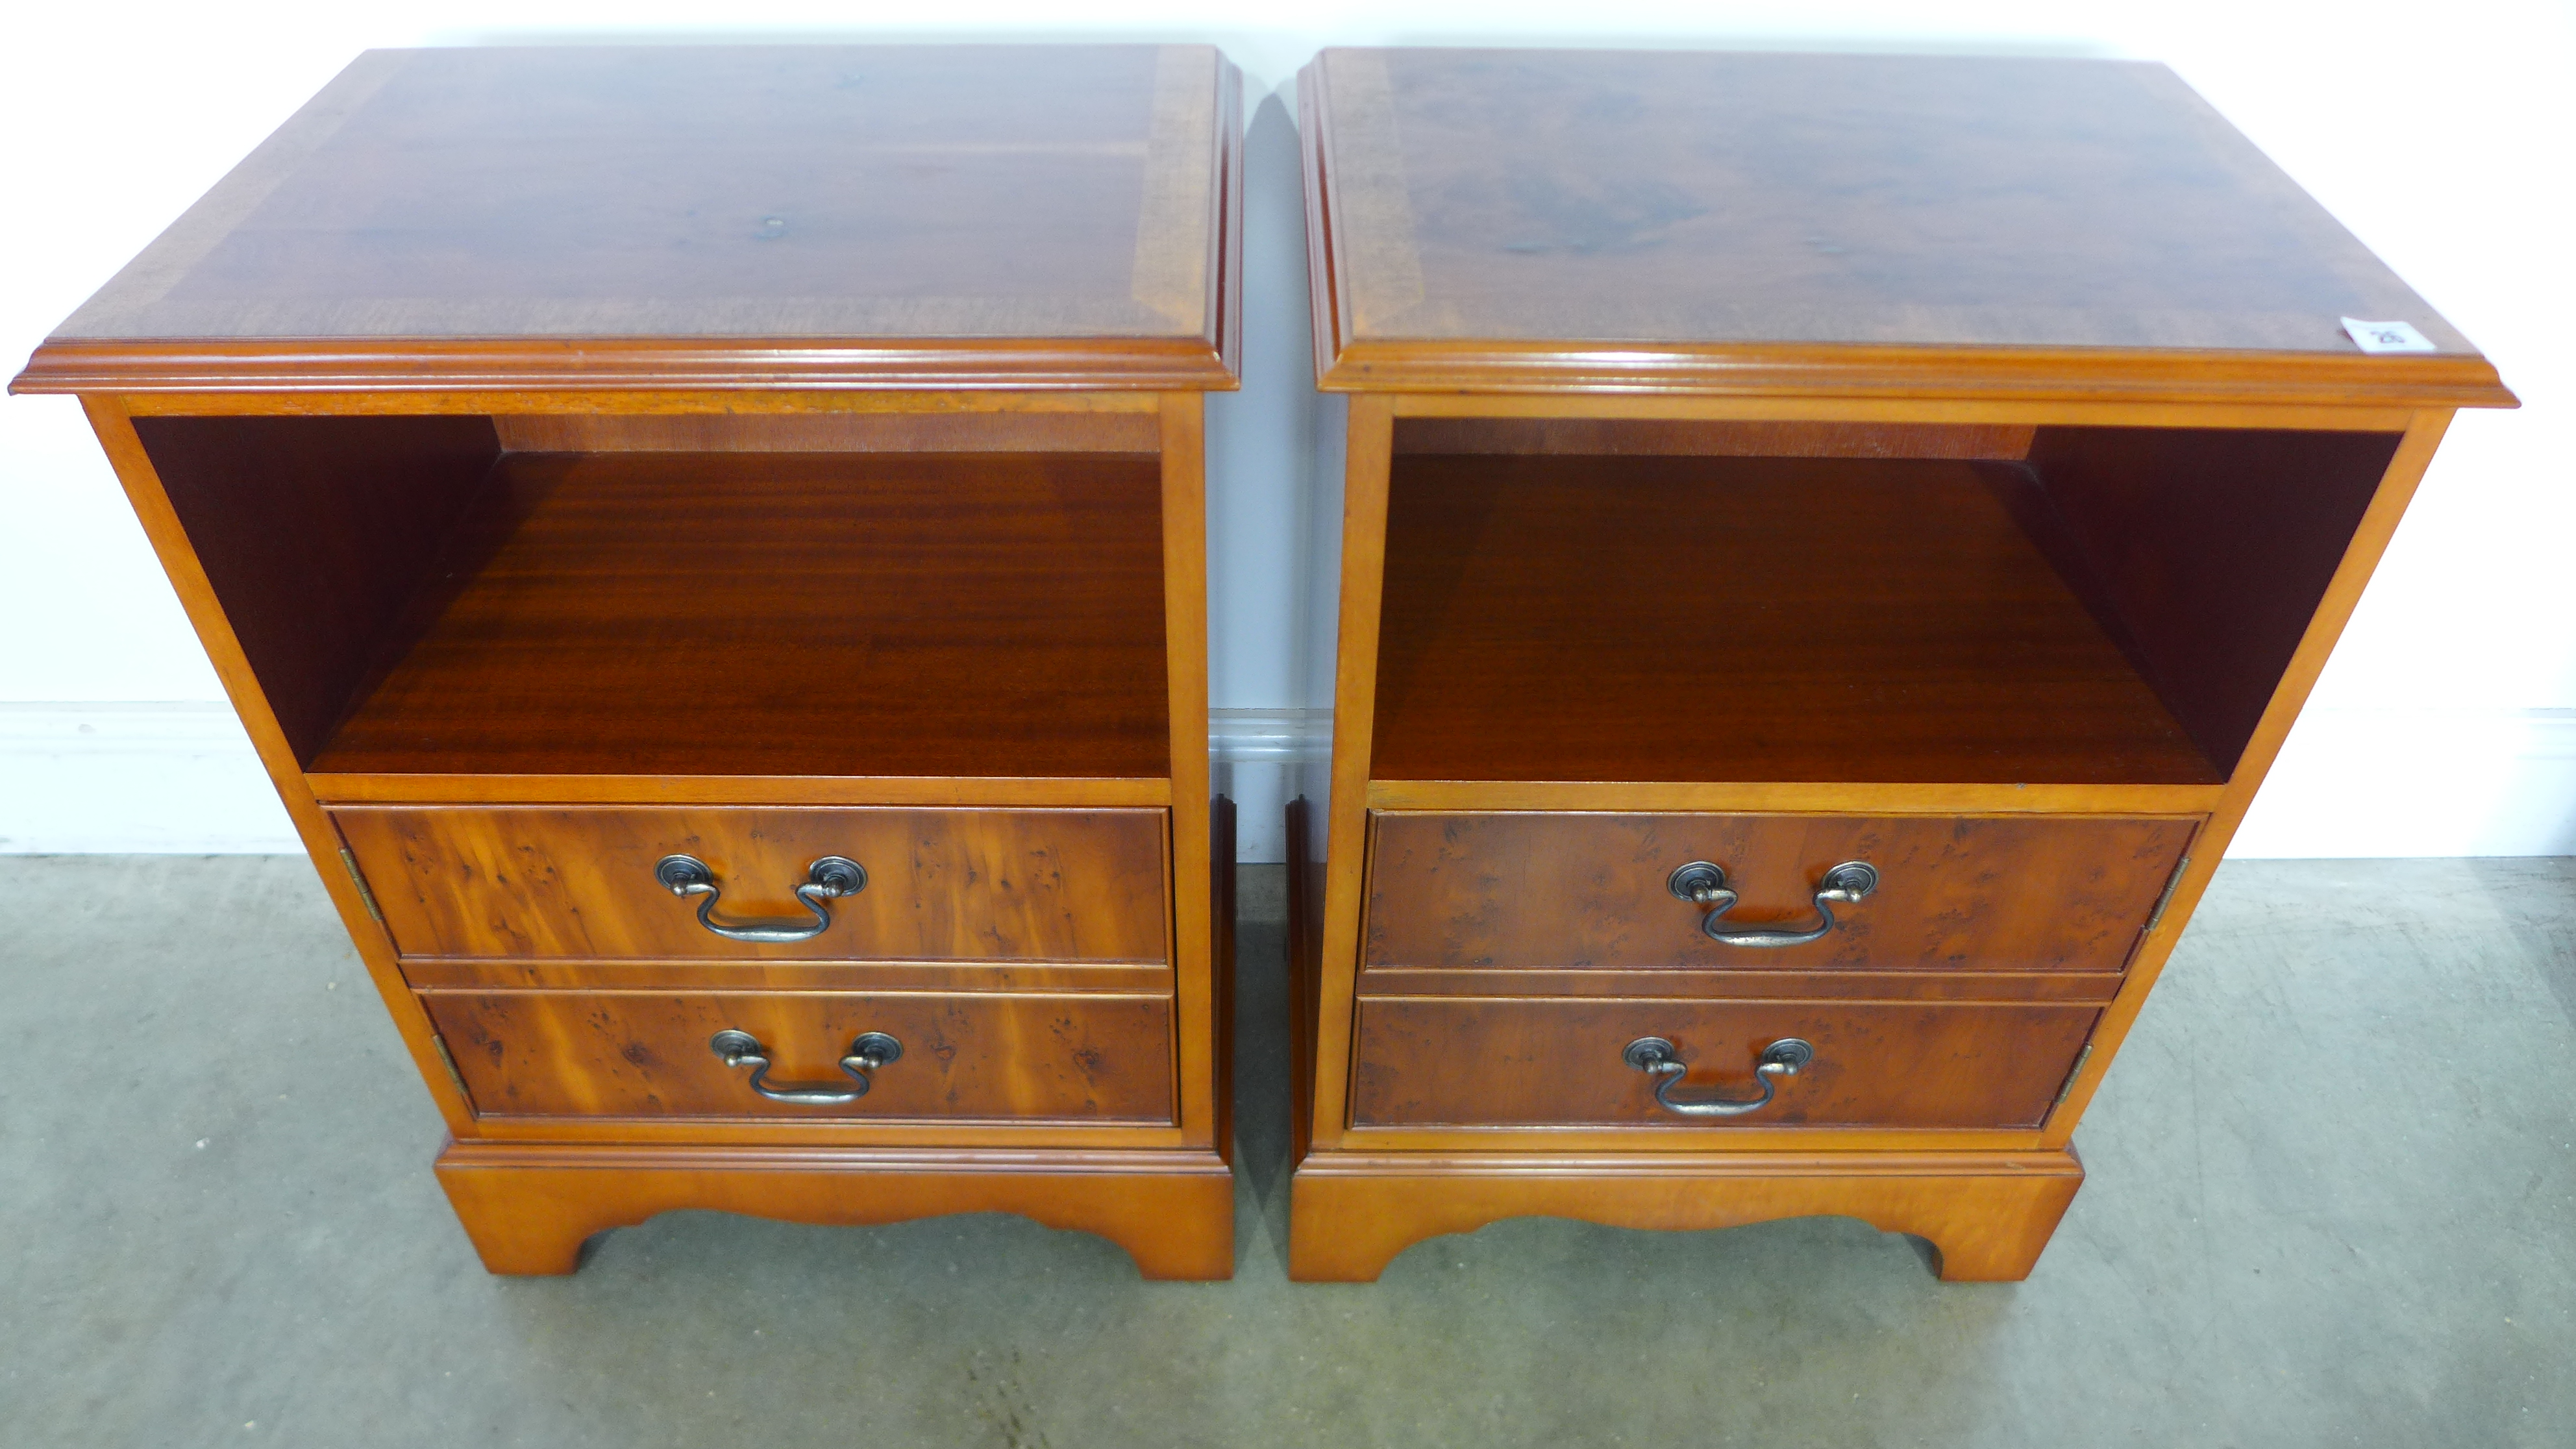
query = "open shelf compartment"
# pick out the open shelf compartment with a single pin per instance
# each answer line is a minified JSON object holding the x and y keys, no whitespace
{"x":415,"y":597}
{"x":1640,"y":601}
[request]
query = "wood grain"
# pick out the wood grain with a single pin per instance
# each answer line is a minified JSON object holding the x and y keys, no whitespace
{"x":529,"y":1209}
{"x":412,"y":789}
{"x":798,"y":546}
{"x":1562,"y":1143}
{"x":2175,"y":406}
{"x":646,"y":1054}
{"x":736,"y":215}
{"x":2208,"y":549}
{"x":1054,"y":978}
{"x":1193,"y":930}
{"x":1849,"y":797}
{"x":644,"y":398}
{"x":1740,"y":983}
{"x":959,"y":1137}
{"x":1569,"y":220}
{"x":1546,"y":891}
{"x":789,"y":614}
{"x":1221,"y":910}
{"x":1365,"y":474}
{"x":1562,"y":271}
{"x":868,"y":432}
{"x":1306,"y":877}
{"x":314,"y":533}
{"x":984,"y":885}
{"x":2009,"y":379}
{"x":1742,"y":619}
{"x":1709,"y":438}
{"x":2370,"y":538}
{"x":1987,"y":1216}
{"x":521,"y":371}
{"x":1461,"y":1062}
{"x":161,"y":525}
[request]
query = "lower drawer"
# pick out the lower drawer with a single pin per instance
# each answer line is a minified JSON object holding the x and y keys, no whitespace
{"x":1090,"y":1058}
{"x":1493,"y":1062}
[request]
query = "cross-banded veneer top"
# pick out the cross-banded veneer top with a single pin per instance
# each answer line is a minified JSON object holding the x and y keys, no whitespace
{"x":885,"y":216}
{"x":1845,"y":224}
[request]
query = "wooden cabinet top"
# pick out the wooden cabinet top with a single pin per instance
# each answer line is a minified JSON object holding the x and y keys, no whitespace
{"x":1844,"y":224}
{"x":772,"y":216}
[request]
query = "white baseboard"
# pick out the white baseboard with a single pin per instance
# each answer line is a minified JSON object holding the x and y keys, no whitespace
{"x":2419,"y":782}
{"x":1255,"y":753}
{"x":1270,"y":736}
{"x":144,"y":779}
{"x":180,"y":779}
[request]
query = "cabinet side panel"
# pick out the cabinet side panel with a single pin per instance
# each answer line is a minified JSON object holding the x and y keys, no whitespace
{"x":1185,"y":633}
{"x":314,"y":533}
{"x":1320,"y":599}
{"x":1310,"y":788}
{"x":2407,"y":462}
{"x":1305,"y":918}
{"x":1221,"y":918}
{"x":347,"y":890}
{"x":1365,"y":473}
{"x":2212,"y":548}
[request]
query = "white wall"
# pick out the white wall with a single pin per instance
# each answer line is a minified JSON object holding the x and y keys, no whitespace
{"x":2441,"y":135}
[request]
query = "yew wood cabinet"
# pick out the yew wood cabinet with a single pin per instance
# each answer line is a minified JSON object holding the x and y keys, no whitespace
{"x":1830,"y":546}
{"x":710,"y":546}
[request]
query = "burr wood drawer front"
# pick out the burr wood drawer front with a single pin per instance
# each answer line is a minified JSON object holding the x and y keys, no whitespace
{"x":811,"y":1055}
{"x":1680,"y":1064}
{"x":1544,"y":890}
{"x":765,"y":882}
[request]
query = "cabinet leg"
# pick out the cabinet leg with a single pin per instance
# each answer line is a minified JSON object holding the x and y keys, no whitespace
{"x":1347,"y":1229}
{"x":1990,"y":1232}
{"x":526,"y":1224}
{"x":1177,"y":1229}
{"x":1988,"y":1217}
{"x":528,"y":1210}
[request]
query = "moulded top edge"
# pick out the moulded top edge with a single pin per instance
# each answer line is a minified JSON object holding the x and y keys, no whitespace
{"x":2053,"y":374}
{"x":65,"y":365}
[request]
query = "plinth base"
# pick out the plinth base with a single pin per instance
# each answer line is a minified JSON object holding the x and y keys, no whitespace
{"x":1988,"y":1215}
{"x":529,"y":1209}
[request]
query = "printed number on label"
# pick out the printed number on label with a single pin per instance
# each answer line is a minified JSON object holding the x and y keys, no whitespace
{"x":2386,"y":336}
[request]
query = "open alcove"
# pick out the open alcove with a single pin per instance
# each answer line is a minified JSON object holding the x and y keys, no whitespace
{"x":871,"y":594}
{"x":1635,"y":600}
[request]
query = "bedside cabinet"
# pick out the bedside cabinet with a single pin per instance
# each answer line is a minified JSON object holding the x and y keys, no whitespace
{"x":710,"y":546}
{"x":1830,"y":546}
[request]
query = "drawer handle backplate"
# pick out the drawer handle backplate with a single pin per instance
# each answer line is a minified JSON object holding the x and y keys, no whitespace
{"x":1654,"y":1056}
{"x":872,"y":1050}
{"x":827,"y":879}
{"x":1704,"y":884}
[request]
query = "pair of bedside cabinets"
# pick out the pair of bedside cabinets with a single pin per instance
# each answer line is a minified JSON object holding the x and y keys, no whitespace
{"x":710,"y":546}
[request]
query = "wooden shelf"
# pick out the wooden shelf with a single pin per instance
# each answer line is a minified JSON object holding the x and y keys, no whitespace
{"x":782,"y":614}
{"x":1744,"y":619}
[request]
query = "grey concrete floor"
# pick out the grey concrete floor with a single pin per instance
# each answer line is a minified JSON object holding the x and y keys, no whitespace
{"x":2333,"y":1201}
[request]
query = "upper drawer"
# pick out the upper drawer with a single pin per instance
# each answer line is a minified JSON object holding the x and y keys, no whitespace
{"x":986,"y":885}
{"x":1545,"y":889}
